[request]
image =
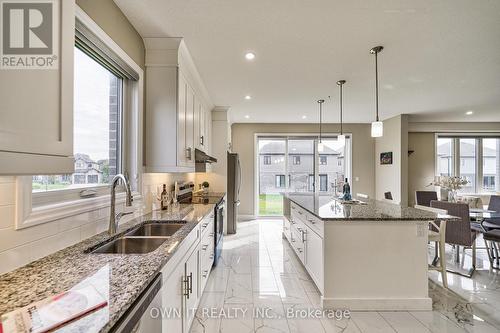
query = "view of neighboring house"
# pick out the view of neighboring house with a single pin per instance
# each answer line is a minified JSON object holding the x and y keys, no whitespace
{"x":87,"y":173}
{"x":466,"y":163}
{"x":297,"y":175}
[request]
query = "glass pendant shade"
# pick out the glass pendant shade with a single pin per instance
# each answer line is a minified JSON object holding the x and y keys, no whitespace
{"x":377,"y":129}
{"x":321,"y":147}
{"x":341,"y":139}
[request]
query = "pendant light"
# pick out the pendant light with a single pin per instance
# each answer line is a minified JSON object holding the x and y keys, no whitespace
{"x":377,"y":125}
{"x":320,"y":144}
{"x":341,"y":137}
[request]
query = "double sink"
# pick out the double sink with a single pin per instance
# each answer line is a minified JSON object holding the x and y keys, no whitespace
{"x":144,"y":239}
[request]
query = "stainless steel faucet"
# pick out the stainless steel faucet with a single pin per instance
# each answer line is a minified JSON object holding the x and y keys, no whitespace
{"x":114,"y":218}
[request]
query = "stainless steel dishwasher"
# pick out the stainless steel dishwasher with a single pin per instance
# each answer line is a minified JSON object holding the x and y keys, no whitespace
{"x":139,"y":318}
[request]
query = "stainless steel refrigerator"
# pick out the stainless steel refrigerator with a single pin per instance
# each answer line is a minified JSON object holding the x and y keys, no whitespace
{"x":233,"y":191}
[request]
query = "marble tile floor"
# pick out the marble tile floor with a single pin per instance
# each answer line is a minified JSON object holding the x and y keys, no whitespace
{"x":259,"y":280}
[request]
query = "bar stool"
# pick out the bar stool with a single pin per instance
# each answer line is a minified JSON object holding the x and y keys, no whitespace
{"x":437,"y":234}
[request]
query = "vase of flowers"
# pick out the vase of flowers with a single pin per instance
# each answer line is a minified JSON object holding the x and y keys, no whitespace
{"x":449,"y":186}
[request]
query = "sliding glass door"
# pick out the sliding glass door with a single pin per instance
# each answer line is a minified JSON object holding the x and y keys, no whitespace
{"x":294,"y":164}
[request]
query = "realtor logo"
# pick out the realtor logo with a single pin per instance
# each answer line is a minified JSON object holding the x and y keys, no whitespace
{"x":28,"y":35}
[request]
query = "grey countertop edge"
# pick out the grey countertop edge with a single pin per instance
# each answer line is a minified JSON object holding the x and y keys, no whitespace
{"x":374,"y":219}
{"x":131,"y":274}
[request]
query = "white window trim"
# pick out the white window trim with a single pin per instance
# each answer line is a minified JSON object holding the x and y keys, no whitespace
{"x":27,"y":215}
{"x":456,"y":136}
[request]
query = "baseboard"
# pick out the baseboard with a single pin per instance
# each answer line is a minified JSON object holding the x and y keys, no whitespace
{"x":378,"y":304}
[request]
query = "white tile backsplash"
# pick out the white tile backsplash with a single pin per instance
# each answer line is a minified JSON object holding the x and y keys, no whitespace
{"x":20,"y":247}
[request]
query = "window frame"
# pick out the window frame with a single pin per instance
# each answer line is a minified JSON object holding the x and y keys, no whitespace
{"x":296,"y":159}
{"x":321,"y":157}
{"x":456,"y":158}
{"x":267,"y":158}
{"x":48,"y":206}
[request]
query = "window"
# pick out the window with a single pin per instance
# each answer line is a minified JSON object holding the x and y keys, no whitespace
{"x":267,"y":160}
{"x":323,"y":183}
{"x":445,"y":157}
{"x":280,"y":181}
{"x":468,"y":163}
{"x":323,"y":160}
{"x":310,"y":183}
{"x":97,"y":126}
{"x":473,"y":158}
{"x":491,"y":164}
{"x":296,"y":160}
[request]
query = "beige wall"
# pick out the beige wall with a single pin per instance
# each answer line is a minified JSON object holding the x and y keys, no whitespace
{"x":393,"y":178}
{"x":111,"y":19}
{"x":363,"y":150}
{"x":421,"y":163}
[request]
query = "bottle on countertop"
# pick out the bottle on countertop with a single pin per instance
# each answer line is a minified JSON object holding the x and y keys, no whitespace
{"x":346,"y":191}
{"x":164,"y":198}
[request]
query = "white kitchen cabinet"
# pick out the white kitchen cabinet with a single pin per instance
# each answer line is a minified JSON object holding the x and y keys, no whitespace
{"x":314,"y":257}
{"x":191,"y":287}
{"x":176,"y":103}
{"x":173,"y":299}
{"x":36,"y":109}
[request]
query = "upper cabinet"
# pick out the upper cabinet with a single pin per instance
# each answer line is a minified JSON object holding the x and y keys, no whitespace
{"x":177,"y":105}
{"x":36,"y":89}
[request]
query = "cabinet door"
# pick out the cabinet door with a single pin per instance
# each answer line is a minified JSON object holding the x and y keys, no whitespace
{"x":181,"y":120}
{"x":36,"y":105}
{"x":202,"y":135}
{"x":192,"y":276}
{"x":314,"y":257}
{"x":190,"y":106}
{"x":173,"y":291}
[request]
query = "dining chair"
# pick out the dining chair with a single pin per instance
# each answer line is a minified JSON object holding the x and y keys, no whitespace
{"x":437,"y":234}
{"x":459,"y":233}
{"x":424,"y":198}
{"x":493,"y":223}
{"x":493,"y":236}
{"x":388,"y":196}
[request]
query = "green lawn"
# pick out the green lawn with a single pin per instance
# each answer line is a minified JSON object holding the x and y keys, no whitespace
{"x":270,"y":204}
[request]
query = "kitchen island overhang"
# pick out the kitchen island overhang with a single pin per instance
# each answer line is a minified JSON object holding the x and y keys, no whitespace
{"x":362,"y":257}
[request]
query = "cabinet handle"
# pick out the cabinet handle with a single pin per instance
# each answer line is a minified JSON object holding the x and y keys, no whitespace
{"x":190,"y":279}
{"x":188,"y":153}
{"x":299,"y":249}
{"x":204,"y":225}
{"x":312,"y":221}
{"x":204,"y":247}
{"x":205,"y":274}
{"x":202,"y":140}
{"x":211,"y":256}
{"x":211,"y":234}
{"x":300,"y":212}
{"x":303,"y":235}
{"x":186,"y":287}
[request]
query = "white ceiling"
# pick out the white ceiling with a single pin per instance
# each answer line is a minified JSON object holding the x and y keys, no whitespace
{"x":441,"y":58}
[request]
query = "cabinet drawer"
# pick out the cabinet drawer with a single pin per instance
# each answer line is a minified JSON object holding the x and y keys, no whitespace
{"x":296,"y":240}
{"x":206,"y":263}
{"x":286,"y":228}
{"x":315,"y":224}
{"x":207,"y":225}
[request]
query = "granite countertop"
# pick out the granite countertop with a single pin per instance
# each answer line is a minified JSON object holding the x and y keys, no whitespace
{"x":327,"y":208}
{"x":120,"y":278}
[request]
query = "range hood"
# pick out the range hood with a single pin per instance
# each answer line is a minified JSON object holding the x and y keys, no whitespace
{"x":201,"y":160}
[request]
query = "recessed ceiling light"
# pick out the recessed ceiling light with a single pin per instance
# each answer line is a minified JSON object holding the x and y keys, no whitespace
{"x":304,"y":117}
{"x":249,"y":56}
{"x":247,"y":97}
{"x":470,"y":112}
{"x":247,"y":116}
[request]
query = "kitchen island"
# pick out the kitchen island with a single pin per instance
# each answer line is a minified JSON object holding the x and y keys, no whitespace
{"x":362,"y":256}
